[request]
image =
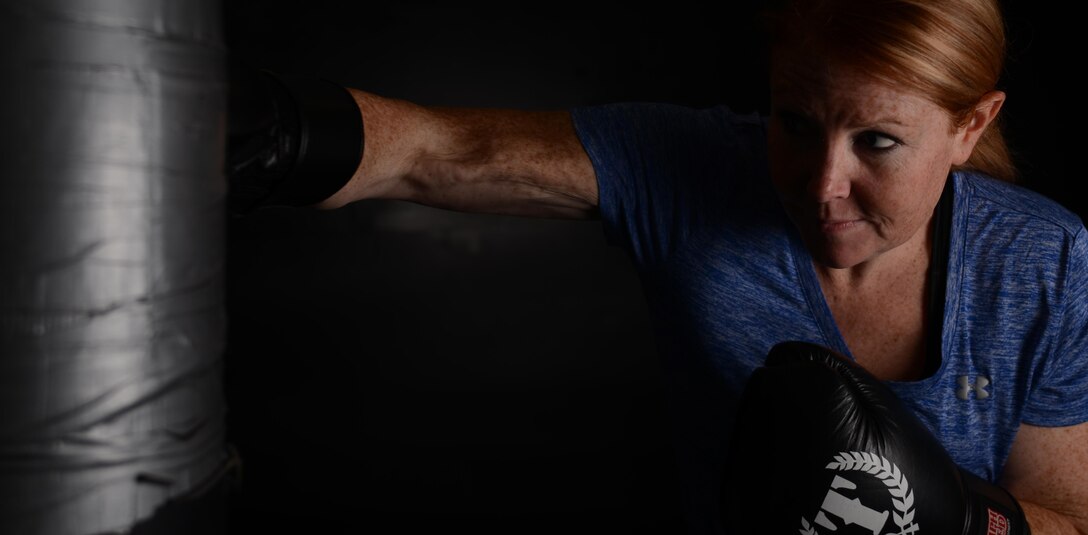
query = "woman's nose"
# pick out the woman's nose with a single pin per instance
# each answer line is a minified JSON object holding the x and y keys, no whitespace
{"x":831,"y":177}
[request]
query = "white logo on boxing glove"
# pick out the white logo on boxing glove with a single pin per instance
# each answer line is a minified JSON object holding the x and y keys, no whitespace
{"x":852,"y":511}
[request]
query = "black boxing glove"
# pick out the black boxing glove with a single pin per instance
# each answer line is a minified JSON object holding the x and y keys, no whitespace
{"x":291,"y":140}
{"x":820,"y":446}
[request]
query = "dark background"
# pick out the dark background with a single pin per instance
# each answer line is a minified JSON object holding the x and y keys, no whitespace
{"x":394,"y":368}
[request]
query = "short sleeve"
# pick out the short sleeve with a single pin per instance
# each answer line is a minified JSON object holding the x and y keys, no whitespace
{"x":1061,"y":397}
{"x":664,"y":169}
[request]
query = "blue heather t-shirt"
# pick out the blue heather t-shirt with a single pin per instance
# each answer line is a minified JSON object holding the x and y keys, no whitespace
{"x":686,"y":193}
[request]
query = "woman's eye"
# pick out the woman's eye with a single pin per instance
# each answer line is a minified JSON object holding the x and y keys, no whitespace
{"x":877,"y":141}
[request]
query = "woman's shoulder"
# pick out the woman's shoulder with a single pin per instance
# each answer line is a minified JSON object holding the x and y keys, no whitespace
{"x":668,"y":115}
{"x":990,"y":197}
{"x":675,"y":139}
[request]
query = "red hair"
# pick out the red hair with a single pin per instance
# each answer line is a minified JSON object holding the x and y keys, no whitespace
{"x":950,"y":51}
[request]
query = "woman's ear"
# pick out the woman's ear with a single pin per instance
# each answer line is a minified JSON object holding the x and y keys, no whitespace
{"x":967,"y":135}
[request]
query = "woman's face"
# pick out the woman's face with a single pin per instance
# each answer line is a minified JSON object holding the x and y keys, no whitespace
{"x":858,"y":165}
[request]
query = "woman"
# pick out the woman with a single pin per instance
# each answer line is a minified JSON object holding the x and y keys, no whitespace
{"x":867,"y":213}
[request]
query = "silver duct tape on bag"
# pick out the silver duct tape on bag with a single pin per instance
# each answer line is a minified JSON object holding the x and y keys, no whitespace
{"x":112,"y":323}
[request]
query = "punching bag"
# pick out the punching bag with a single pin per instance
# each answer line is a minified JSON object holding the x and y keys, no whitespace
{"x":112,"y":322}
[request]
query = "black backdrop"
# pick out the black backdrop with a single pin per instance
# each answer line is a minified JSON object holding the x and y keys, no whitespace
{"x":394,"y":368}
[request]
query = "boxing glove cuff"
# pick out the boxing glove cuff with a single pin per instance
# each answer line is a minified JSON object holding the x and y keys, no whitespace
{"x":294,"y":140}
{"x":991,"y":509}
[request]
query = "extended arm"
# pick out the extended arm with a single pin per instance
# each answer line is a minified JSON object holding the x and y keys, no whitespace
{"x":478,"y":160}
{"x":304,"y":141}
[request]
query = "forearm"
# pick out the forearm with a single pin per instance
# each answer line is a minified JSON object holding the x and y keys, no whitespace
{"x":474,"y":160}
{"x":1046,"y":521}
{"x":1047,"y":473}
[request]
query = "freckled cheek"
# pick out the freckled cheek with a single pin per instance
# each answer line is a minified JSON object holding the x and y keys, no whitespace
{"x":895,"y":204}
{"x":917,"y":189}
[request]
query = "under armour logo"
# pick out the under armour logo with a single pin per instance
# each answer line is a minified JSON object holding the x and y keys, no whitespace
{"x":978,"y":387}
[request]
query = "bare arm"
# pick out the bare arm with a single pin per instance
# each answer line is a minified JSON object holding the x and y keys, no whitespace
{"x":476,"y":160}
{"x":1047,"y":472}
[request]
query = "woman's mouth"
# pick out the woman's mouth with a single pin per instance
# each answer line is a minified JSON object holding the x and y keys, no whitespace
{"x":838,"y":226}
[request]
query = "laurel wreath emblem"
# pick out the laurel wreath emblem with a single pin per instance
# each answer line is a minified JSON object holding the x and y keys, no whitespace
{"x":886,"y":471}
